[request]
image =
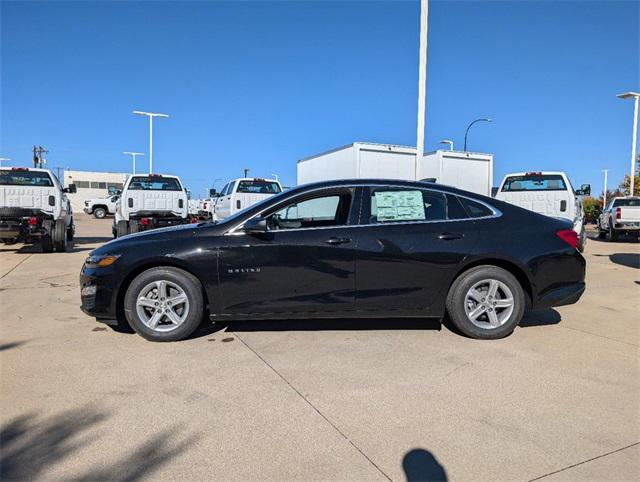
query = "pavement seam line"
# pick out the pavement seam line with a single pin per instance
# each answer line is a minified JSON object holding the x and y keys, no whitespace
{"x":599,"y":336}
{"x":314,"y":408}
{"x":586,"y":461}
{"x":12,"y":269}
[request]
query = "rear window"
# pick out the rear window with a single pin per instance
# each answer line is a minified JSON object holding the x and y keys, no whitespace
{"x":259,"y":187}
{"x":25,"y":178}
{"x":475,"y":209}
{"x":626,"y":202}
{"x":534,"y":182}
{"x":154,"y":183}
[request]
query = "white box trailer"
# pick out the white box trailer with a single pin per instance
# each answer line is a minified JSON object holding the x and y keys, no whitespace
{"x":362,"y":160}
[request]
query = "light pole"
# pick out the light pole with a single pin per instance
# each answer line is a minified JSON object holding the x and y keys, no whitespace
{"x":447,"y":141}
{"x":133,"y":158}
{"x":422,"y":81}
{"x":634,"y":134}
{"x":469,"y":127}
{"x":151,"y":115}
{"x":604,"y":196}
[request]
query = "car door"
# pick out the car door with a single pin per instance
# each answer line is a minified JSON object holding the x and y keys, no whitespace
{"x":303,"y":262}
{"x":410,"y":245}
{"x":223,"y":203}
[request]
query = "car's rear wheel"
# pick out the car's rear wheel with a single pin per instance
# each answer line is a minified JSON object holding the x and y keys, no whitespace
{"x":601,"y":232}
{"x":121,"y":229}
{"x":611,"y":234}
{"x":60,"y":236}
{"x":486,"y":302}
{"x":99,"y":213}
{"x":164,"y":304}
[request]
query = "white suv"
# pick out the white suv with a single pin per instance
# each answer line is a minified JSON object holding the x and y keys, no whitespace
{"x":242,"y":193}
{"x":150,"y":201}
{"x":34,"y":208}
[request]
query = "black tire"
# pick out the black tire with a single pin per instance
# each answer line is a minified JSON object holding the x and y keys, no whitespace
{"x":122,"y":229}
{"x":60,"y":236}
{"x":47,"y":244}
{"x":582,"y":241}
{"x":611,"y":234}
{"x":457,"y":299}
{"x":9,"y":241}
{"x":71,"y":231}
{"x":190,"y":286}
{"x":134,"y":227}
{"x":100,"y":213}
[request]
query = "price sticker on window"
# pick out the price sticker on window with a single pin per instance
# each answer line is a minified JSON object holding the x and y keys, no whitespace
{"x":399,"y":206}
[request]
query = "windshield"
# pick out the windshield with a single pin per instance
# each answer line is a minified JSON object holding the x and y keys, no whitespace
{"x":534,"y":182}
{"x":154,"y":183}
{"x":626,"y":202}
{"x":257,"y":186}
{"x":25,"y":178}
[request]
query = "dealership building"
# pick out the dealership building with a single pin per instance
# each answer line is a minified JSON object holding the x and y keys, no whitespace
{"x":92,"y":184}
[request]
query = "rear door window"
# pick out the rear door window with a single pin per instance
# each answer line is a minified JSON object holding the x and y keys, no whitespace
{"x":25,"y":178}
{"x":475,"y":209}
{"x":391,"y":204}
{"x":534,"y":182}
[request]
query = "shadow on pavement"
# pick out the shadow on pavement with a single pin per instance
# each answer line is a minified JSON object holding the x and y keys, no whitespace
{"x":31,"y":444}
{"x":421,"y":465}
{"x":87,"y":243}
{"x":544,"y":317}
{"x":9,"y":346}
{"x":630,"y":260}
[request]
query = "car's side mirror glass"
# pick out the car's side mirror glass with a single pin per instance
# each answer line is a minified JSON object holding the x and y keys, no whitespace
{"x":255,"y":226}
{"x":585,"y":190}
{"x":213,"y":193}
{"x":70,"y":189}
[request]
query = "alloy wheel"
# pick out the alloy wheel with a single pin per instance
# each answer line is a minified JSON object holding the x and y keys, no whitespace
{"x":489,"y":304}
{"x":162,"y":306}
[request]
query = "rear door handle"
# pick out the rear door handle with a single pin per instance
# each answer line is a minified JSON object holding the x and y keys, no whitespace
{"x":337,"y":241}
{"x":450,"y":236}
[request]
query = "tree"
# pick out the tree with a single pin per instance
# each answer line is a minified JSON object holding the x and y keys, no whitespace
{"x":592,"y":208}
{"x":626,"y":182}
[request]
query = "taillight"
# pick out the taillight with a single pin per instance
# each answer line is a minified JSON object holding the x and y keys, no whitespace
{"x":569,"y":236}
{"x":618,"y":213}
{"x":194,"y":221}
{"x":32,"y":221}
{"x":144,"y":221}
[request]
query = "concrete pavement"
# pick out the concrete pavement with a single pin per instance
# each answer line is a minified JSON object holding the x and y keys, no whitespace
{"x":391,"y":399}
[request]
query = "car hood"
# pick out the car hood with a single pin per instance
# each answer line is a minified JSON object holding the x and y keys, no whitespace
{"x":170,"y":233}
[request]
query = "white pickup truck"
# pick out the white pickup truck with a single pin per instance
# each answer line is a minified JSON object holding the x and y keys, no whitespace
{"x":34,"y":208}
{"x":150,"y":201}
{"x":241,"y":193}
{"x":620,"y":216}
{"x":549,"y":193}
{"x":100,"y":207}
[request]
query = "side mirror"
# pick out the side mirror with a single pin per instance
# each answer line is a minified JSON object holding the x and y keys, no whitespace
{"x":255,"y":226}
{"x":213,"y":193}
{"x":585,"y":190}
{"x":71,"y":189}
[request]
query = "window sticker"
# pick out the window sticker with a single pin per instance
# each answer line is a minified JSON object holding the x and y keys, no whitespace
{"x":399,"y":206}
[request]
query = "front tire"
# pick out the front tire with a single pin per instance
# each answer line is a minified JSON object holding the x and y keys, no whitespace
{"x":99,"y":213}
{"x":486,"y":302}
{"x":164,"y":304}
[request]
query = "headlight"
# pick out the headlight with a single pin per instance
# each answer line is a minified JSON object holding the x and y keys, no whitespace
{"x":101,"y":260}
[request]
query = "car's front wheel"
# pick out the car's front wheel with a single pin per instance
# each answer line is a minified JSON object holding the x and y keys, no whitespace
{"x":99,"y":213}
{"x":164,"y":304}
{"x":486,"y":302}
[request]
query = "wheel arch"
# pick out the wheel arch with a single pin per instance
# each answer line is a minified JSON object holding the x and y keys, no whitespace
{"x":508,"y":265}
{"x":158,"y":263}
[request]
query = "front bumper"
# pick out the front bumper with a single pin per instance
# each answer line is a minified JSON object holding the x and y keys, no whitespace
{"x":88,"y":211}
{"x":98,"y":292}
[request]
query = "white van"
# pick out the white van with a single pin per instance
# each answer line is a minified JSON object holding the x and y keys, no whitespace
{"x":242,"y":193}
{"x":549,"y":193}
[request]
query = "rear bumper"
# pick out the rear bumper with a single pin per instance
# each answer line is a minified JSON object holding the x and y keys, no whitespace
{"x":564,"y":295}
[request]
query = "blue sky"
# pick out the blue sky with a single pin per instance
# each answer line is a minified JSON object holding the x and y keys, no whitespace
{"x":262,"y":84}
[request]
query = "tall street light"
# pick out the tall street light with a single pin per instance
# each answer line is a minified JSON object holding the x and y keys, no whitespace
{"x":133,"y":158}
{"x":604,"y":196}
{"x":151,"y":115}
{"x":422,"y":81}
{"x":447,"y":141}
{"x":634,"y":134}
{"x":469,"y":127}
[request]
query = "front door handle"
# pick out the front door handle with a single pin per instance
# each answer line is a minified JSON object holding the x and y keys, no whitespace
{"x":450,"y":236}
{"x":335,"y":241}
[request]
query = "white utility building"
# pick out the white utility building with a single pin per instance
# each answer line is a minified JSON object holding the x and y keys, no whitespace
{"x":91,"y":184}
{"x":471,"y":171}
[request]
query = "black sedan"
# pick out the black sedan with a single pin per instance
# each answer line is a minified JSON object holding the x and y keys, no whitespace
{"x":350,"y":248}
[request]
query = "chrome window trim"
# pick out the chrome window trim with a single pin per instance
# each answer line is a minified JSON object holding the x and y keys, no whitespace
{"x":496,"y":212}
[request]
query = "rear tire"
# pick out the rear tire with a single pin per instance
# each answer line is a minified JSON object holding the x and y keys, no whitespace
{"x":486,"y":302}
{"x":47,"y":244}
{"x":602,"y":234}
{"x":148,"y":309}
{"x":134,"y":227}
{"x":612,"y":235}
{"x":99,"y":213}
{"x":60,"y":236}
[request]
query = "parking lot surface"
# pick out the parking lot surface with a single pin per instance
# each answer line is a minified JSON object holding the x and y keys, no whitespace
{"x":375,"y":400}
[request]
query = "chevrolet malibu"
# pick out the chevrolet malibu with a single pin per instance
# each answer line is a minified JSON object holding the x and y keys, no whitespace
{"x":350,"y":248}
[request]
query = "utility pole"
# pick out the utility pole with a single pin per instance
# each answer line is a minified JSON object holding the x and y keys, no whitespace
{"x":38,"y":161}
{"x":151,"y":115}
{"x":604,"y":196}
{"x":634,"y":134}
{"x":133,"y":157}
